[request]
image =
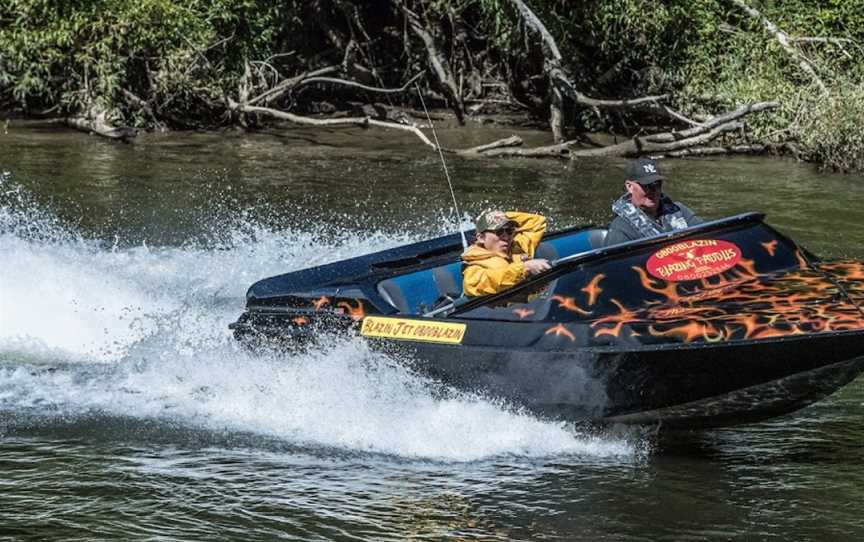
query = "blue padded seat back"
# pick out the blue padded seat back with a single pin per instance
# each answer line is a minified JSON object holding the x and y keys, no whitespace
{"x":572,"y":244}
{"x":448,"y":278}
{"x":547,"y":251}
{"x":418,"y":291}
{"x":598,"y":237}
{"x":409,"y":292}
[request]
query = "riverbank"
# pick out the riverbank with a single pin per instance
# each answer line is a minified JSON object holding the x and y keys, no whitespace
{"x":655,"y":73}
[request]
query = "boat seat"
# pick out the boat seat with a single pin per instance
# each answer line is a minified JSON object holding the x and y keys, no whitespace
{"x":562,"y":247}
{"x":448,"y":279}
{"x":597,"y":237}
{"x":411,"y":293}
{"x":419,"y":291}
{"x":547,"y":251}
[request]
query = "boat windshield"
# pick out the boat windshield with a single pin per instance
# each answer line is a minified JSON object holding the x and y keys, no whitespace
{"x":680,"y":272}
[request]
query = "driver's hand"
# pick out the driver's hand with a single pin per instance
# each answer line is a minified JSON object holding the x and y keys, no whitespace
{"x":537,"y":265}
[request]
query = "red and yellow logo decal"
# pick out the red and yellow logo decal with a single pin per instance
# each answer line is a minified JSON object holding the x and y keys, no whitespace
{"x":693,"y":260}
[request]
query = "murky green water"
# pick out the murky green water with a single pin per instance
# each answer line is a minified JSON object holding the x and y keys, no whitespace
{"x":127,"y":411}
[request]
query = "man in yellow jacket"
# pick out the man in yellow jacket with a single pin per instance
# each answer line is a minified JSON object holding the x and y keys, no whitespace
{"x":503,"y":252}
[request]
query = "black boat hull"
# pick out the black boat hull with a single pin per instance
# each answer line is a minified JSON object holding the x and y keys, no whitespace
{"x":676,"y":387}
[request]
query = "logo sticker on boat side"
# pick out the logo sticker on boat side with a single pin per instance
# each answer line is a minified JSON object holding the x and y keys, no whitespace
{"x":693,"y":260}
{"x":413,"y":330}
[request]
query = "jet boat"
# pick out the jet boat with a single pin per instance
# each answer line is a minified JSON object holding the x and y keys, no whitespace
{"x":724,"y":323}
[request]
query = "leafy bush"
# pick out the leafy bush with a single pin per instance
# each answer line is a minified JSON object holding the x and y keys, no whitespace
{"x":831,"y":129}
{"x":69,"y":53}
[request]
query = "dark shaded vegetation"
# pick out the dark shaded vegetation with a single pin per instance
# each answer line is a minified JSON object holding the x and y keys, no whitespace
{"x":160,"y":64}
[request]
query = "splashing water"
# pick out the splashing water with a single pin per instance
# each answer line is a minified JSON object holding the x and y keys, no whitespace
{"x":87,"y":326}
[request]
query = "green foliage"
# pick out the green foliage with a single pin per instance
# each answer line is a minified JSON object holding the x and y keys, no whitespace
{"x":737,"y":61}
{"x":831,"y":129}
{"x":69,"y":52}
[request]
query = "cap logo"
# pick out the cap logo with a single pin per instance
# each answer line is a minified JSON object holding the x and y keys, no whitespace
{"x":649,"y":168}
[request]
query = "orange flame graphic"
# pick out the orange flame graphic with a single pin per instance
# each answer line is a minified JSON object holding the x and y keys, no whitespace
{"x":523,"y":313}
{"x":770,"y":247}
{"x":568,"y":303}
{"x":623,"y":317}
{"x":356,"y":313}
{"x":560,"y":330}
{"x":690,"y":331}
{"x":593,"y":289}
{"x":746,"y":305}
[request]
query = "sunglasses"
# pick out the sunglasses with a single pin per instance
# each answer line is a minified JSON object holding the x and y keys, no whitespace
{"x":504,"y":232}
{"x":655,"y":186}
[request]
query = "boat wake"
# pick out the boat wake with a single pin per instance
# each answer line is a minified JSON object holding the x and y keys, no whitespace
{"x":89,"y":327}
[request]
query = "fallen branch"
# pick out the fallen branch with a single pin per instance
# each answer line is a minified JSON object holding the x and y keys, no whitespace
{"x":667,"y":111}
{"x":363,"y":122}
{"x":270,"y":96}
{"x":712,"y":151}
{"x":756,"y":148}
{"x":666,"y":142}
{"x":354,"y":84}
{"x":512,"y":141}
{"x":95,"y":121}
{"x":144,"y":106}
{"x":836,"y":41}
{"x":558,"y":150}
{"x":711,"y":123}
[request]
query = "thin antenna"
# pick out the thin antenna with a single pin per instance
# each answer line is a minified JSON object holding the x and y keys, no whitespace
{"x":446,"y":173}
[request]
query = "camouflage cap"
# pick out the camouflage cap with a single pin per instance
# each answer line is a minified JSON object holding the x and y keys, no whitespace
{"x":492,"y":220}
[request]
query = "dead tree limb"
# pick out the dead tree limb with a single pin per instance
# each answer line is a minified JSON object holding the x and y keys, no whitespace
{"x":144,"y":106}
{"x":354,"y":84}
{"x":560,"y":81}
{"x":633,"y":147}
{"x":558,"y":150}
{"x":666,"y":142}
{"x":362,"y":122}
{"x":810,"y":39}
{"x":756,"y":148}
{"x":287,"y":85}
{"x":712,"y":123}
{"x":512,"y":141}
{"x":713,"y":151}
{"x":440,"y":66}
{"x":95,"y":121}
{"x":783,"y":39}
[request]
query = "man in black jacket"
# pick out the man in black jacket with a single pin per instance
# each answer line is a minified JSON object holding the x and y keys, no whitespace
{"x":644,"y":210}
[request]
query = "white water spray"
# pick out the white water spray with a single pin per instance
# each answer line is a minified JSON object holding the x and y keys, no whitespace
{"x":141,"y":332}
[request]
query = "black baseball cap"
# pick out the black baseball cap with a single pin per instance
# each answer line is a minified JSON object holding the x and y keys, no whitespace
{"x":644,"y":171}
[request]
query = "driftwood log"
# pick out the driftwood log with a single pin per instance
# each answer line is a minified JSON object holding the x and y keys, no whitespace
{"x":95,"y":121}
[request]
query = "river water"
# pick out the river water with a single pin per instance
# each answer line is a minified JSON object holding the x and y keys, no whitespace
{"x":128,"y":412}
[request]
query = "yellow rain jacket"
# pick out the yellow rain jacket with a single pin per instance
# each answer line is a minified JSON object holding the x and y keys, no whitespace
{"x":486,"y":272}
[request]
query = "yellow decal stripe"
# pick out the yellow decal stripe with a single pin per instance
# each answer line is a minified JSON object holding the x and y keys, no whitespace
{"x":413,"y":330}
